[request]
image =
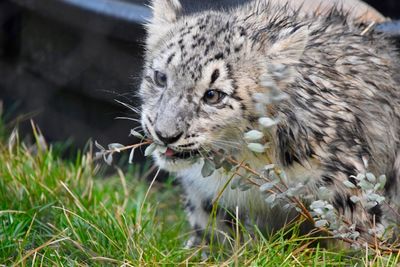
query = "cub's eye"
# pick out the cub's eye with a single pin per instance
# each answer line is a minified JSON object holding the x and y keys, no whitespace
{"x":160,"y":79}
{"x":213,"y":97}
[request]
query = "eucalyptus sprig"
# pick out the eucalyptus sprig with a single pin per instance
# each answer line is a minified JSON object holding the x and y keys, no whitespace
{"x":107,"y":154}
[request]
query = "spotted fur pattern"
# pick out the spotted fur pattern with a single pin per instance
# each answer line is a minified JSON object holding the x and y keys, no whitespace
{"x":342,"y":116}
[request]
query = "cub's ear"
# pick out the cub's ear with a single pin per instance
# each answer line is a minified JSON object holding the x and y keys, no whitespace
{"x":290,"y":45}
{"x":284,"y":54}
{"x":165,"y":13}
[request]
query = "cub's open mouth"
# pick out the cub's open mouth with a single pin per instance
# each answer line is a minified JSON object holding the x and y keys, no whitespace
{"x":173,"y":154}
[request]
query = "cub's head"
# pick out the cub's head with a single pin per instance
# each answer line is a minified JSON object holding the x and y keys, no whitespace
{"x":200,"y":74}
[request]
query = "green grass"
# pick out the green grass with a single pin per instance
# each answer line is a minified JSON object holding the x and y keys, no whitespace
{"x":63,"y":213}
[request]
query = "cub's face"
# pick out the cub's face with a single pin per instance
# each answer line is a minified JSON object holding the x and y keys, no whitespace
{"x":190,"y":96}
{"x":200,"y":75}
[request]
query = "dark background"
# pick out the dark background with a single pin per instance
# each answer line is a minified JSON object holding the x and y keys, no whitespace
{"x":63,"y":64}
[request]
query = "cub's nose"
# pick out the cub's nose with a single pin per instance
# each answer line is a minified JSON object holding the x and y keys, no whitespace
{"x":168,"y":139}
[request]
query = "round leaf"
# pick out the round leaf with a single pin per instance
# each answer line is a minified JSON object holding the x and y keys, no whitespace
{"x":267,"y":122}
{"x":349,"y":184}
{"x":150,"y":149}
{"x":208,"y":168}
{"x":256,"y":147}
{"x":253,"y":135}
{"x":136,"y":134}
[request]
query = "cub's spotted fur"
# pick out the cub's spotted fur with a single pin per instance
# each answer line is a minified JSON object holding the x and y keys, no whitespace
{"x":342,"y":116}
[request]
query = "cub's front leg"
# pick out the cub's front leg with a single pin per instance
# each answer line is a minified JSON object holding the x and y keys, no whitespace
{"x":208,"y":223}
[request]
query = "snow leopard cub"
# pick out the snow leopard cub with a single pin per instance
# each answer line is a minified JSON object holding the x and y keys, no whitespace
{"x":341,"y":117}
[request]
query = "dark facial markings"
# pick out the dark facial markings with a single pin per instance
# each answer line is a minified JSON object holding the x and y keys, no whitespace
{"x":149,"y":119}
{"x":148,"y":79}
{"x":187,"y":145}
{"x":146,"y":130}
{"x":170,"y":58}
{"x":219,"y":55}
{"x":195,"y":51}
{"x":214,"y":76}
